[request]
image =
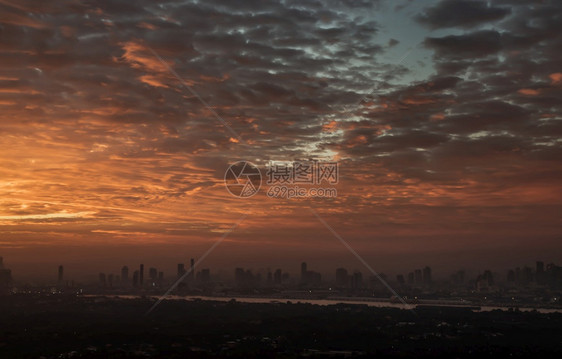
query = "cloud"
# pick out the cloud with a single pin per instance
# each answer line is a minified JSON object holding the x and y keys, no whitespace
{"x":461,"y":14}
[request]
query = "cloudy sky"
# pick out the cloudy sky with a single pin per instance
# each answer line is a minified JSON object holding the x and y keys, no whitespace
{"x":118,"y":120}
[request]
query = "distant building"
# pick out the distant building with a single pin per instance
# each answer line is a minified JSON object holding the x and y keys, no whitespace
{"x":141,"y":275}
{"x":540,"y":267}
{"x":192,"y":267}
{"x":125,"y":275}
{"x":309,"y":277}
{"x":181,"y":270}
{"x":400,"y":279}
{"x":342,"y":278}
{"x":485,"y":282}
{"x":278,"y":276}
{"x":357,"y":280}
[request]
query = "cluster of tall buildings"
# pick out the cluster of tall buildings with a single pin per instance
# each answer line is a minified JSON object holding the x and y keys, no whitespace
{"x":346,"y":280}
{"x":549,"y":275}
{"x":419,"y":277}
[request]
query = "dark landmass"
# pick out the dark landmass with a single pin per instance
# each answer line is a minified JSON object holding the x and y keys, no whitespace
{"x":65,"y":326}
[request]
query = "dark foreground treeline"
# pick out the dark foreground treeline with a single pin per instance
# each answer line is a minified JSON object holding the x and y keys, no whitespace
{"x":77,"y":327}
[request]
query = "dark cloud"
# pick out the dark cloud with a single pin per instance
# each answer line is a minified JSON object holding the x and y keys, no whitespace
{"x":461,"y":14}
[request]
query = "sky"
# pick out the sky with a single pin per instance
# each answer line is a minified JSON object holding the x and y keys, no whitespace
{"x":119,"y":119}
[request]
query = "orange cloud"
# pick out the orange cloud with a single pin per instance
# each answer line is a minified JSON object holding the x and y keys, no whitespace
{"x":556,"y":77}
{"x":529,"y":92}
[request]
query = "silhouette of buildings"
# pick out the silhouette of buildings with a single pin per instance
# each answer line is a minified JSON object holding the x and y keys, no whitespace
{"x":342,"y":278}
{"x":309,"y":278}
{"x":141,"y":275}
{"x":125,"y":275}
{"x":181,"y":270}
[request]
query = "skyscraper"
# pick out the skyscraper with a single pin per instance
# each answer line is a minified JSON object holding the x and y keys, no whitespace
{"x":181,"y":270}
{"x":540,"y":267}
{"x":125,"y":275}
{"x":141,"y":275}
{"x":192,"y":269}
{"x":342,"y":277}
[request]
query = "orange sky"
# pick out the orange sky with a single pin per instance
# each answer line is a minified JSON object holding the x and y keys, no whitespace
{"x":108,"y":159}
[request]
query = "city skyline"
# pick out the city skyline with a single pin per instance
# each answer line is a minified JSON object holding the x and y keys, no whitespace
{"x":119,"y":123}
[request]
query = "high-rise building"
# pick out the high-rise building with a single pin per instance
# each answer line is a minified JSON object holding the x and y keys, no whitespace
{"x":356,"y":280}
{"x":1,"y":263}
{"x":278,"y":276}
{"x":181,"y":270}
{"x":540,"y":267}
{"x":540,"y":273}
{"x":192,"y":269}
{"x":141,"y":275}
{"x":342,"y":278}
{"x":125,"y":275}
{"x":400,"y":279}
{"x":61,"y":274}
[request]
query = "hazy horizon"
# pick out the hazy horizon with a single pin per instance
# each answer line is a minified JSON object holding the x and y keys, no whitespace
{"x":119,"y":121}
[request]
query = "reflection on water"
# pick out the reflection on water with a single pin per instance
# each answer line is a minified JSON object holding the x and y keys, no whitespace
{"x":371,"y":303}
